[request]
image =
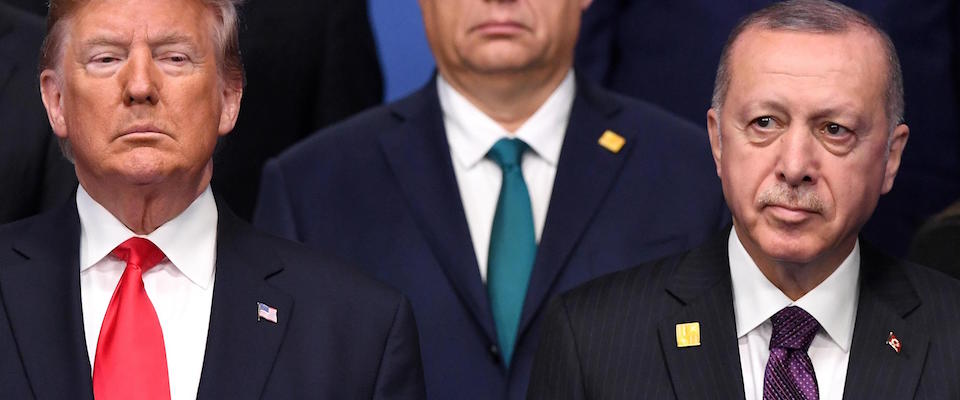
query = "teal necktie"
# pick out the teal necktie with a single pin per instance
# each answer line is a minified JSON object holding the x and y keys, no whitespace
{"x":513,"y":245}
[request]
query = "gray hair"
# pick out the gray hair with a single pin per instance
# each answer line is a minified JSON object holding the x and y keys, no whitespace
{"x":225,"y":31}
{"x":815,"y":16}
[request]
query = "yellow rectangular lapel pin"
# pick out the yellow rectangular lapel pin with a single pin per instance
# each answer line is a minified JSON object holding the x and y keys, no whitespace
{"x":688,"y":335}
{"x":611,"y":141}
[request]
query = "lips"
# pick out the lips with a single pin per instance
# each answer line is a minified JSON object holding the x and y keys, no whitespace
{"x":499,"y":28}
{"x":140,"y":130}
{"x":790,"y":214}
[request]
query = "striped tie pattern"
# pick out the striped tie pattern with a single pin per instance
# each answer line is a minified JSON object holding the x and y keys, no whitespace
{"x":789,"y":373}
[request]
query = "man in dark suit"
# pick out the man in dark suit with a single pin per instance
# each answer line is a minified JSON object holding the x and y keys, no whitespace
{"x":665,"y":52}
{"x":35,"y":175}
{"x":144,"y":281}
{"x":414,"y":192}
{"x":309,"y":63}
{"x":935,"y":244}
{"x":806,"y":135}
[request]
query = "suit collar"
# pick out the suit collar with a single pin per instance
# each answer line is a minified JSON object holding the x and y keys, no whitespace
{"x":419,"y":156}
{"x":41,"y":292}
{"x":241,"y":348}
{"x":702,"y":285}
{"x":887,"y":298}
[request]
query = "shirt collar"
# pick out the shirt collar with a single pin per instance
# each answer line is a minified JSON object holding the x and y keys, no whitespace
{"x":188,"y":240}
{"x":471,"y":133}
{"x":833,"y":303}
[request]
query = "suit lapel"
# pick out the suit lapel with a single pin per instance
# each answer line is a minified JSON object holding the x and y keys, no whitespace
{"x":712,"y":369}
{"x":42,"y":299}
{"x":585,"y":173}
{"x":241,"y":349}
{"x":887,"y":297}
{"x":419,"y":156}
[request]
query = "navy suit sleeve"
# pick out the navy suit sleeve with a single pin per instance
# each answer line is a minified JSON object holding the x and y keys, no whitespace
{"x":274,"y":213}
{"x":556,"y":367}
{"x":401,"y":371}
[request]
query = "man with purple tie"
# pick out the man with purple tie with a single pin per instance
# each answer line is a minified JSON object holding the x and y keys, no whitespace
{"x":806,"y":133}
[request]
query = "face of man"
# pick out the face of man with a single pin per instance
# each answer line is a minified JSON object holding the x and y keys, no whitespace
{"x":803,"y":153}
{"x":487,"y":37}
{"x":137,"y":91}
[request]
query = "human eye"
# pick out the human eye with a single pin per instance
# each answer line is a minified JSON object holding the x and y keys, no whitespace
{"x":763,"y":129}
{"x":765,"y":122}
{"x":103,"y":62}
{"x":837,"y":138}
{"x":835,"y":130}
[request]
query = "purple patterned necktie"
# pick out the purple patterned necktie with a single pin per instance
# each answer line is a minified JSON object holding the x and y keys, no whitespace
{"x":789,"y":374}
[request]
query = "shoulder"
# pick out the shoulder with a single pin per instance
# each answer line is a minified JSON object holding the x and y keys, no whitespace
{"x":315,"y":277}
{"x":360,"y":133}
{"x":936,"y":294}
{"x":640,"y":290}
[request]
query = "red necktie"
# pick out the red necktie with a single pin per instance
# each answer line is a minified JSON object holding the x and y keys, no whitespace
{"x":131,"y":362}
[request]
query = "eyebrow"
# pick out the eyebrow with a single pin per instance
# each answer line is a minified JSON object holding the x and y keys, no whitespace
{"x":161,"y":40}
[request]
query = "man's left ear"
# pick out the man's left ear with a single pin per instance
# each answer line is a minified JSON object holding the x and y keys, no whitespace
{"x":898,"y":142}
{"x":232,"y":93}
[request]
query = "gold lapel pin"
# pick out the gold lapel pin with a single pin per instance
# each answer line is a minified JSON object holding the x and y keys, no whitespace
{"x":688,"y":334}
{"x":612,"y":141}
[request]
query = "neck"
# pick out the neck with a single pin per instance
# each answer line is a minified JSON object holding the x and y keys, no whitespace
{"x":144,"y":208}
{"x":509,"y":98}
{"x":796,"y":279}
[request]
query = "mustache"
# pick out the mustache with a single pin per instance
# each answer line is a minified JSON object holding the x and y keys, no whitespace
{"x":799,"y":198}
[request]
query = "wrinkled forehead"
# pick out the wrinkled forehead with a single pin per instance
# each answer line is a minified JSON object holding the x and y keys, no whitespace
{"x":851,"y":62}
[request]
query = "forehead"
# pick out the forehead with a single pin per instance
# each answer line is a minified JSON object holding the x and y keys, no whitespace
{"x":853,"y":61}
{"x":147,"y":19}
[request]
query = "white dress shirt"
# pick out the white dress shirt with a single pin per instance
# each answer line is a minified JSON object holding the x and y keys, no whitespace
{"x":180,"y":287}
{"x":471,"y":134}
{"x":833,"y":303}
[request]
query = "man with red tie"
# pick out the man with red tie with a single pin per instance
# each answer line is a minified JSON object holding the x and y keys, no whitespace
{"x":145,"y":287}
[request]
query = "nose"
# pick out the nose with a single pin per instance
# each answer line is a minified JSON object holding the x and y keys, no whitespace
{"x":140,"y":79}
{"x":798,"y":163}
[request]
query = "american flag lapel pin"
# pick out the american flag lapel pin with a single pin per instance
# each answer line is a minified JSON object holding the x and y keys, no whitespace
{"x":894,"y":342}
{"x":266,"y":312}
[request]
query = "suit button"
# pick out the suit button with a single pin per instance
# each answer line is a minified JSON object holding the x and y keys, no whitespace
{"x":495,"y":353}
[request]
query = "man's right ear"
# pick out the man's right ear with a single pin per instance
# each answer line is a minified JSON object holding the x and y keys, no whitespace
{"x":52,"y":94}
{"x":713,"y":130}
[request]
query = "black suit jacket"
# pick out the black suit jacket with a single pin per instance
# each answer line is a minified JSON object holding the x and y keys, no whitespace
{"x":380,"y":190}
{"x":309,"y":63}
{"x":615,"y":338}
{"x":937,"y":243}
{"x":339,"y":335}
{"x":666,"y":52}
{"x":33,"y":173}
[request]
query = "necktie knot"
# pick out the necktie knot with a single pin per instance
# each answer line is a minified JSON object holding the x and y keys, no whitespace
{"x":507,"y":153}
{"x":793,"y":328}
{"x":139,"y":252}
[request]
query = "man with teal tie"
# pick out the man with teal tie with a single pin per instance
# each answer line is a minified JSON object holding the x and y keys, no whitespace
{"x":504,"y":181}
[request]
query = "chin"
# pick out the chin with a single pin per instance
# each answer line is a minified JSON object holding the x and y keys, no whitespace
{"x":790,"y":250}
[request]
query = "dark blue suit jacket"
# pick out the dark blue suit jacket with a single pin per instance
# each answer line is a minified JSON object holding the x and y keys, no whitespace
{"x":615,"y":337}
{"x":339,"y":335}
{"x":33,"y":174}
{"x":380,"y":190}
{"x":666,"y":52}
